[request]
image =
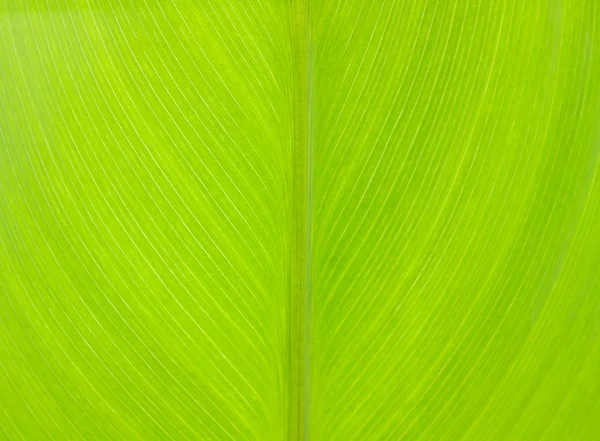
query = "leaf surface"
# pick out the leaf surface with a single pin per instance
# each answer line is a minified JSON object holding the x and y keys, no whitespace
{"x":299,"y":220}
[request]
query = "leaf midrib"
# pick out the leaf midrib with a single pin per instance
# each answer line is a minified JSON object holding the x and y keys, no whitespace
{"x":301,"y":249}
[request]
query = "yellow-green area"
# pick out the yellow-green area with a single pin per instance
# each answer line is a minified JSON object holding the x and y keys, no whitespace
{"x":300,"y":220}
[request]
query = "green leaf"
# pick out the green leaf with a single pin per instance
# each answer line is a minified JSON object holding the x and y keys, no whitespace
{"x":299,"y":220}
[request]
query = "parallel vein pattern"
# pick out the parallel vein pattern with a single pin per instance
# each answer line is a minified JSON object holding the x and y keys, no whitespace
{"x":145,"y":219}
{"x":456,"y":291}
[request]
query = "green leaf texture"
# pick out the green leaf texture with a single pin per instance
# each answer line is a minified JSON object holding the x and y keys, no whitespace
{"x":300,"y":220}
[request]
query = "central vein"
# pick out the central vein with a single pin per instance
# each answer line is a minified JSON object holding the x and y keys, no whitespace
{"x":308,"y":232}
{"x":301,"y":248}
